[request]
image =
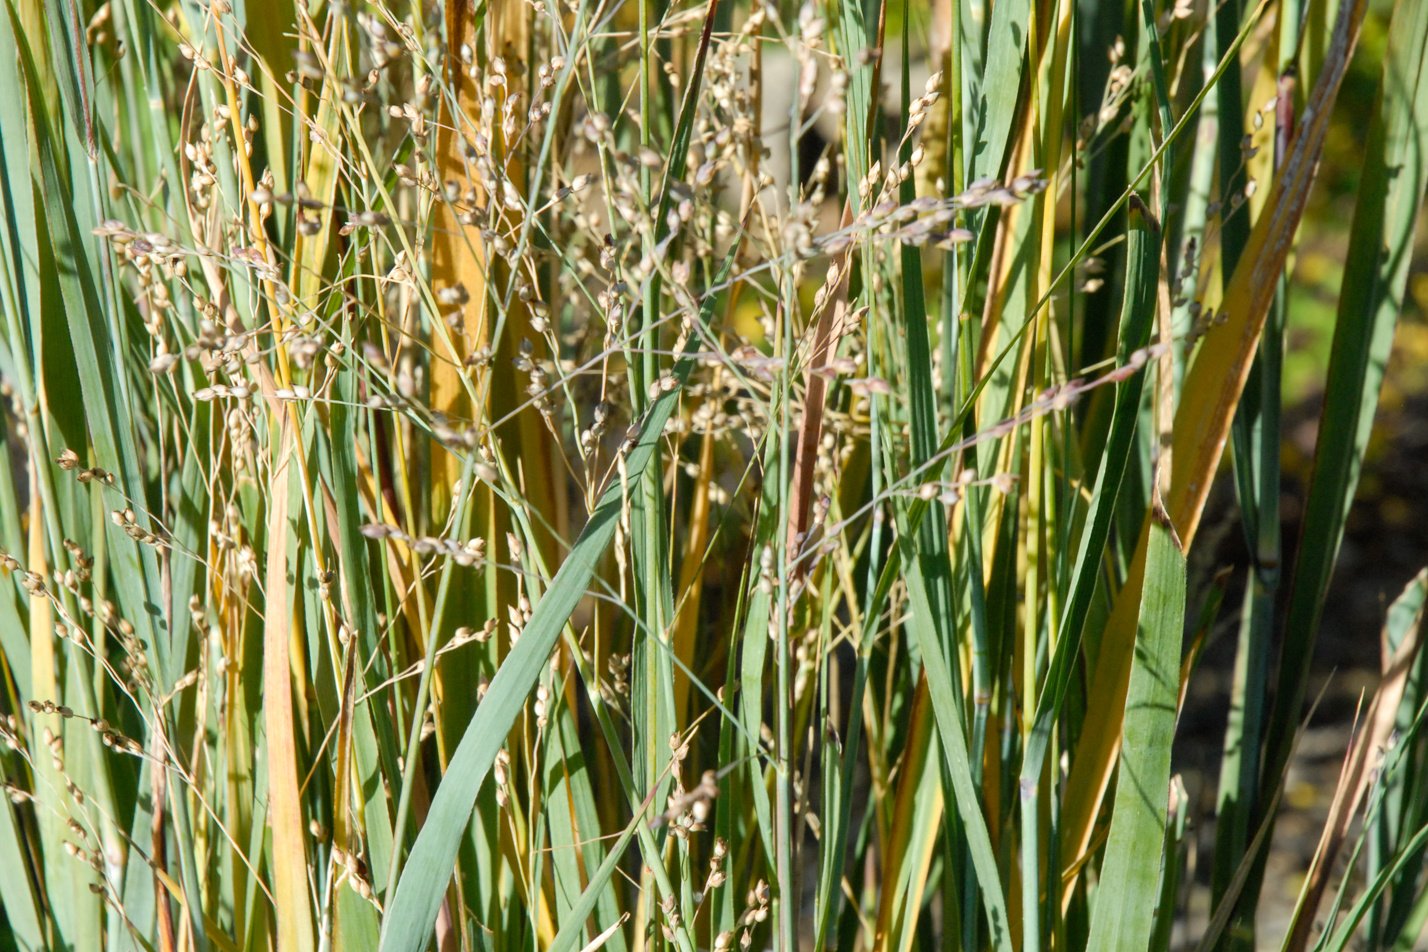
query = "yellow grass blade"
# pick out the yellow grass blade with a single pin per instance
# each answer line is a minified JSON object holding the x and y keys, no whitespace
{"x":1202,"y":423}
{"x":288,"y":860}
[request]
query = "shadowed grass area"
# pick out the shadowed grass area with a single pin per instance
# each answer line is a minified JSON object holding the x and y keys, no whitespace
{"x":693,"y":474}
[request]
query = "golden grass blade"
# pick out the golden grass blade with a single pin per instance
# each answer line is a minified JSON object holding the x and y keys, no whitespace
{"x":1202,"y":423}
{"x":288,"y":860}
{"x":458,"y":256}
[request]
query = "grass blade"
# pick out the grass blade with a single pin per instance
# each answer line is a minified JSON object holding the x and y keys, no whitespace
{"x":1395,"y":176}
{"x":289,"y":858}
{"x":1213,"y":386}
{"x":423,"y":881}
{"x":1122,"y":918}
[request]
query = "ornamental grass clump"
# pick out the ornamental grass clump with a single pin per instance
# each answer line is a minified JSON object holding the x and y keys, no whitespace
{"x":701,"y":475}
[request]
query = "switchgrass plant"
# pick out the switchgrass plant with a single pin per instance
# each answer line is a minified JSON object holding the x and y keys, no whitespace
{"x":703,"y":475}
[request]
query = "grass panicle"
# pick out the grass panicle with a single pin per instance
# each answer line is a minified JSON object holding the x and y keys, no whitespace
{"x":698,"y":474}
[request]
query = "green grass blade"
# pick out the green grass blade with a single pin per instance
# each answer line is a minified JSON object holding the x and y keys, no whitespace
{"x":1341,"y":937}
{"x":1122,"y":917}
{"x":1137,"y":316}
{"x":19,"y":903}
{"x":1395,"y":175}
{"x":422,"y":884}
{"x":929,"y":636}
{"x":998,"y":99}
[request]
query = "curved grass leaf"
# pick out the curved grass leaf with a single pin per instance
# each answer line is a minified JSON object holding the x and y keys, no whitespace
{"x":1213,"y":387}
{"x":413,"y":908}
